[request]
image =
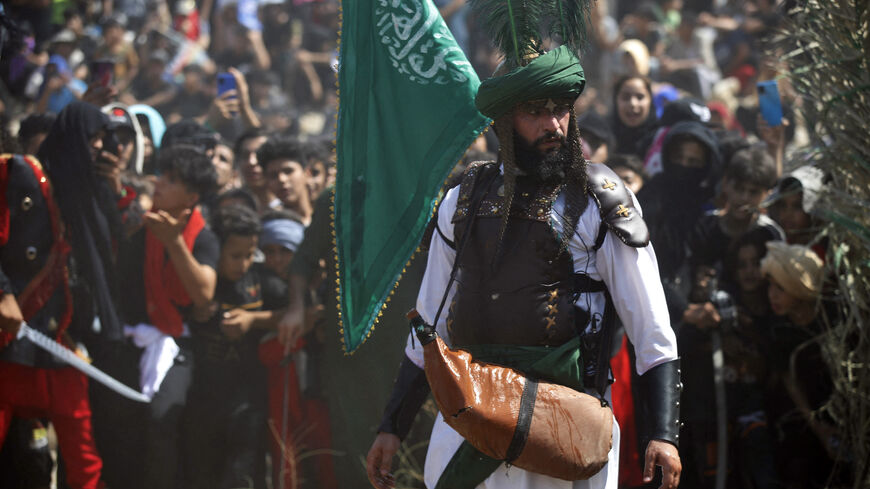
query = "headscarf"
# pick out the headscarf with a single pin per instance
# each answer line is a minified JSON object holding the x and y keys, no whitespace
{"x":808,"y":179}
{"x":795,"y":268}
{"x":284,"y":232}
{"x":87,"y":205}
{"x":627,"y":138}
{"x":676,"y":198}
{"x":691,"y":184}
{"x":639,"y":54}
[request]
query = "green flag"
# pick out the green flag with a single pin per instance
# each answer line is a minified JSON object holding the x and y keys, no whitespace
{"x":406,"y":116}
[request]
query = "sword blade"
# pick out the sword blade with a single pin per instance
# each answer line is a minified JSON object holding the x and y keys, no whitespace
{"x":74,"y":361}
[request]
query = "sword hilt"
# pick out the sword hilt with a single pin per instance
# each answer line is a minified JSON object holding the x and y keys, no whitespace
{"x":21,"y":330}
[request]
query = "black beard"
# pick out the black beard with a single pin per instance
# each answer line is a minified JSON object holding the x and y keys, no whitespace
{"x":550,"y":167}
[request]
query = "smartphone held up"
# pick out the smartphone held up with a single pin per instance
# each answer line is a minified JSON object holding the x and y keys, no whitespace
{"x":103,"y":72}
{"x":769,"y":103}
{"x":225,"y":83}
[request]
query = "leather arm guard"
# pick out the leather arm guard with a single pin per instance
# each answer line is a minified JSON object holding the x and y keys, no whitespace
{"x":409,"y":393}
{"x":660,"y":389}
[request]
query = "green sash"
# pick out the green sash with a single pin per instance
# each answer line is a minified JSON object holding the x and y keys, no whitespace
{"x":559,"y":365}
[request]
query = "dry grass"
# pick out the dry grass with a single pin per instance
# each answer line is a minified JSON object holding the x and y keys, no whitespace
{"x":828,"y":51}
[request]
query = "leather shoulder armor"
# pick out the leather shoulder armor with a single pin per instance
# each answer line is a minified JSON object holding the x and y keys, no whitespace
{"x":467,"y":186}
{"x":616,"y":207}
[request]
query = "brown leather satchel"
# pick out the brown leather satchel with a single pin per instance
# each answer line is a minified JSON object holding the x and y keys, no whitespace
{"x":541,"y":427}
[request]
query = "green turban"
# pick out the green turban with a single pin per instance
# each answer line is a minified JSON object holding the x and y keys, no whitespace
{"x":556,"y":74}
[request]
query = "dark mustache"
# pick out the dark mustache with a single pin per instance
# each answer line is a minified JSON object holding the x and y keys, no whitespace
{"x":546,"y":138}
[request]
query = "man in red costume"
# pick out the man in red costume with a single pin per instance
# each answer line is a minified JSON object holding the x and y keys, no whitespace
{"x":49,"y":215}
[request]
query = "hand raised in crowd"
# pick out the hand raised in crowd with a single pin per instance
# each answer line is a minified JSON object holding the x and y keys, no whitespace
{"x":664,"y":455}
{"x":10,"y":314}
{"x":704,"y":316}
{"x":99,"y":95}
{"x":164,"y":227}
{"x":236,"y":323}
{"x":379,"y":461}
{"x":241,"y":86}
{"x":232,"y":102}
{"x":108,"y":166}
{"x":773,"y":136}
{"x":225,"y":106}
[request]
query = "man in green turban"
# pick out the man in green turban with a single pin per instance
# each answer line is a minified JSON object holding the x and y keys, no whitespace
{"x":532,"y":259}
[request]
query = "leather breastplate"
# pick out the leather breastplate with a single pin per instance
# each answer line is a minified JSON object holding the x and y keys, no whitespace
{"x":526,"y":298}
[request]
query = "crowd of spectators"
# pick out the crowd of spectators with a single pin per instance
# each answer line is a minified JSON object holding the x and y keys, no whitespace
{"x":220,"y":113}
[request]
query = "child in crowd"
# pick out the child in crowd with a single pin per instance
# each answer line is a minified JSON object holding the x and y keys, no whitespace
{"x":746,"y":183}
{"x":630,"y":170}
{"x":793,"y":203}
{"x":296,"y":416}
{"x":595,"y":135}
{"x":711,"y":326}
{"x":801,"y":383}
{"x":743,"y":327}
{"x":281,"y":236}
{"x":236,"y":196}
{"x":245,"y":151}
{"x":283,"y":161}
{"x":749,"y":288}
{"x":169,"y":270}
{"x":226,"y":411}
{"x":320,"y":171}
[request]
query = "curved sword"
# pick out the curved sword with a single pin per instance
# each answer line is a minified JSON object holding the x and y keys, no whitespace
{"x":68,"y":356}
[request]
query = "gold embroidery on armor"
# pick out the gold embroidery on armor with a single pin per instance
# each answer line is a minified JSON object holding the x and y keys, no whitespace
{"x":535,"y":206}
{"x":551,"y":321}
{"x":608,"y":185}
{"x":622,"y":211}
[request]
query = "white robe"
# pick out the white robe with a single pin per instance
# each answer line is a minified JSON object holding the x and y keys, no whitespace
{"x":631,"y":276}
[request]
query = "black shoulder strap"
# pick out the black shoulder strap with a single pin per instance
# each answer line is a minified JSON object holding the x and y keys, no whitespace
{"x":450,"y":242}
